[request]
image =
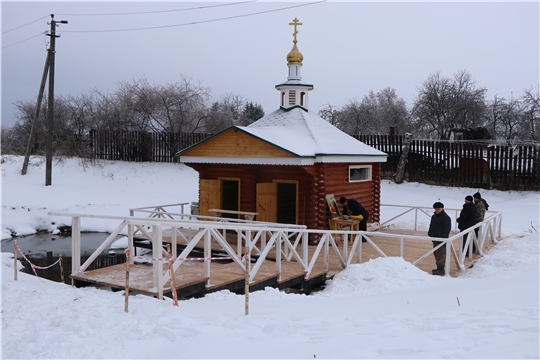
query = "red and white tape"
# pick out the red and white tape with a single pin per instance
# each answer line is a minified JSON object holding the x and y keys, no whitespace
{"x":34,"y":267}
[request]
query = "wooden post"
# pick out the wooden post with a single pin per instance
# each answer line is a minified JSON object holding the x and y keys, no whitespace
{"x":61,"y":268}
{"x":171,"y":271}
{"x":246,"y":287}
{"x":15,"y":260}
{"x":127,"y":282}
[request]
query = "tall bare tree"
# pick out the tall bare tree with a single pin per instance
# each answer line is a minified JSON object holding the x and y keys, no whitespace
{"x":331,"y":114}
{"x":443,"y":104}
{"x":375,"y":114}
{"x":503,"y":117}
{"x":531,"y":101}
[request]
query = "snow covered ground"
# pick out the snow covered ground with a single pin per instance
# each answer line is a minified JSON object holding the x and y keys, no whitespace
{"x":385,"y":308}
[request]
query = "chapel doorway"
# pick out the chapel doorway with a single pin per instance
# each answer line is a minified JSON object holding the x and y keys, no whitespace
{"x":230,"y":196}
{"x":287,"y":210}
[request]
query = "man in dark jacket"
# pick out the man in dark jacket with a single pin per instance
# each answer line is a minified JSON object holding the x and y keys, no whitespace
{"x":440,"y":227}
{"x":480,"y":205}
{"x":353,"y":207}
{"x":467,"y":219}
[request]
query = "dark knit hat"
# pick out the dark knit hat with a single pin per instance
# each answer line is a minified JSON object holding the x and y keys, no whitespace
{"x":477,"y":195}
{"x":342,"y":200}
{"x":438,"y":205}
{"x":469,"y":197}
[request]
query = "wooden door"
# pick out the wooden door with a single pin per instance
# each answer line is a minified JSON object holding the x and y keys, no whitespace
{"x":209,"y":196}
{"x":267,"y":202}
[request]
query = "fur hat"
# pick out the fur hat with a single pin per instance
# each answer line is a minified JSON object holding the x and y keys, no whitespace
{"x":469,"y":198}
{"x":477,"y":195}
{"x":438,"y":205}
{"x":342,"y":200}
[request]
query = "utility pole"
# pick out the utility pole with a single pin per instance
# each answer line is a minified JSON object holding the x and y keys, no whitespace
{"x":36,"y":114}
{"x":48,"y":149}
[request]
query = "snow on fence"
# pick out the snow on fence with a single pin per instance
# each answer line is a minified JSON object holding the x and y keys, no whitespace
{"x":259,"y":238}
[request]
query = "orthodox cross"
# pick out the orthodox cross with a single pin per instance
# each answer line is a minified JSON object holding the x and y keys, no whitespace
{"x":295,"y":23}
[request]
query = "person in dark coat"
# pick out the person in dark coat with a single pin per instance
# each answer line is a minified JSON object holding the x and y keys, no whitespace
{"x":467,"y":219}
{"x":480,"y":205}
{"x":440,"y":227}
{"x":353,"y":207}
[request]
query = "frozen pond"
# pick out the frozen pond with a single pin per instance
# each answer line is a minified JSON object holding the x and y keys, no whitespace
{"x":40,"y":244}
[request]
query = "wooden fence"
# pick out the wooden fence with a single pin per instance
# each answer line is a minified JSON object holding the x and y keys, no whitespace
{"x":140,"y":146}
{"x":439,"y":162}
{"x":462,"y":163}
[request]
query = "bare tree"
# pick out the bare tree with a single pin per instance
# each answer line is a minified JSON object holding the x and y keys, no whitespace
{"x":531,"y":101}
{"x":357,"y":118}
{"x":219,"y":118}
{"x":180,"y":107}
{"x":25,"y":111}
{"x":232,"y":109}
{"x":392,"y":112}
{"x":503,"y":117}
{"x":444,"y":104}
{"x":374,"y":115}
{"x":331,"y":114}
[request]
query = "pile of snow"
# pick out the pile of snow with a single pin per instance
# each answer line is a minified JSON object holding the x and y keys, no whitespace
{"x":384,"y":308}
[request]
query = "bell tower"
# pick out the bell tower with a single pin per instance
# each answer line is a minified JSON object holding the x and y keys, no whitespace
{"x":293,"y":93}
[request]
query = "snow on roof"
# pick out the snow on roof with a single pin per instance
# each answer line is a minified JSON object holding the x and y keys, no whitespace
{"x":306,"y":134}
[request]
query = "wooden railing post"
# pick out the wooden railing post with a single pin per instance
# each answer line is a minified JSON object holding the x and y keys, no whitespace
{"x":157,"y":252}
{"x":126,"y":299}
{"x":76,"y":246}
{"x":15,"y":260}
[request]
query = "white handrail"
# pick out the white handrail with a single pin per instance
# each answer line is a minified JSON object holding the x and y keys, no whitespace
{"x":280,"y":240}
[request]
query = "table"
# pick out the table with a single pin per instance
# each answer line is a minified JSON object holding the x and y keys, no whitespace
{"x":339,"y":224}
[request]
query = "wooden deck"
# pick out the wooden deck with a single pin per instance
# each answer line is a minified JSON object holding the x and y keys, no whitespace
{"x":191,"y":282}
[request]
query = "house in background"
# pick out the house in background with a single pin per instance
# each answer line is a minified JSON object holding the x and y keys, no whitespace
{"x":283,"y":165}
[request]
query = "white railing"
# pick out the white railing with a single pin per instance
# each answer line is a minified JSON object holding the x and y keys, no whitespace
{"x":416,"y":211}
{"x":290,"y":242}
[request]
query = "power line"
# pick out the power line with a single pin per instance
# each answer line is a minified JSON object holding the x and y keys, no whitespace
{"x":162,"y":11}
{"x":18,"y":42}
{"x":31,"y":22}
{"x":194,"y":22}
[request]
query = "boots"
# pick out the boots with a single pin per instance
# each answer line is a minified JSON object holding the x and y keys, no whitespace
{"x":438,"y":271}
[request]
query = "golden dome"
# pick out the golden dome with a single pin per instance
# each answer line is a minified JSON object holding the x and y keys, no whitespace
{"x":294,"y":56}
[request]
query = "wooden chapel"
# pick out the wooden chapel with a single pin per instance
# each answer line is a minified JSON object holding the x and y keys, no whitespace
{"x":283,"y":165}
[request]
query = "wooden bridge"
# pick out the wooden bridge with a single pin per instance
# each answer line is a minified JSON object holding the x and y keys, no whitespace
{"x":278,"y":254}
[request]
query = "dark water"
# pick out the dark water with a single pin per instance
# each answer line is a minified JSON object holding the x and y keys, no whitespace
{"x":45,"y":249}
{"x":40,"y":244}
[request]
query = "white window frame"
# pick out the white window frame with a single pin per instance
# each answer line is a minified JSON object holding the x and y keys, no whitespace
{"x":369,"y":172}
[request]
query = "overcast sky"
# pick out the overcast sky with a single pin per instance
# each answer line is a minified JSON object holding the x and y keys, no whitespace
{"x":349,"y":48}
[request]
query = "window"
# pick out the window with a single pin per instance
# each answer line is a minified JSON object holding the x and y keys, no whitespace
{"x":292,"y":97}
{"x":358,"y":173}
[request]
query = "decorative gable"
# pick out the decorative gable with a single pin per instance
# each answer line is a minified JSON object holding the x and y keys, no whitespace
{"x":235,"y":143}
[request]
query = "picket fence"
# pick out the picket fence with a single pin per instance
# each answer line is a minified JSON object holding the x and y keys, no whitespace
{"x":486,"y":165}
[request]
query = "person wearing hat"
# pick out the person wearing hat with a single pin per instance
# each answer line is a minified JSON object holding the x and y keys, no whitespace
{"x":353,"y":207}
{"x":467,"y":219}
{"x":439,"y":227}
{"x":480,"y":206}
